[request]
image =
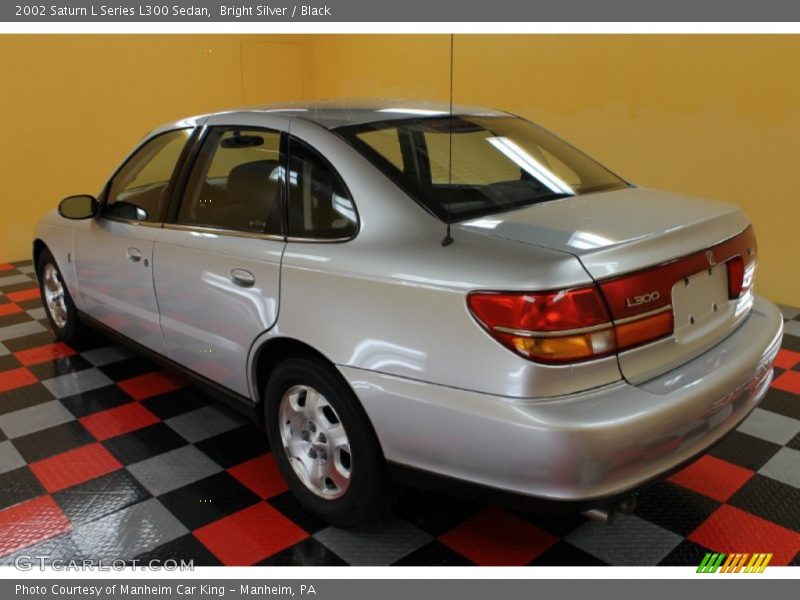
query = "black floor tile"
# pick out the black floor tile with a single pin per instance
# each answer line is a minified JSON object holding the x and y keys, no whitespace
{"x":53,"y":440}
{"x":18,"y":486}
{"x":3,"y":437}
{"x":208,"y":500}
{"x":30,"y":341}
{"x":565,"y":554}
{"x":61,"y":366}
{"x":309,"y":552}
{"x":674,"y":508}
{"x":182,"y":550}
{"x":745,"y":450}
{"x":685,"y":554}
{"x":100,"y":497}
{"x":129,"y":368}
{"x":559,"y":524}
{"x":784,"y":403}
{"x":794,"y":443}
{"x":433,"y":513}
{"x":144,"y":443}
{"x":24,"y":397}
{"x":791,"y":342}
{"x":235,"y":446}
{"x":91,"y":341}
{"x":88,"y":403}
{"x":177,"y":403}
{"x":20,"y":287}
{"x":287,"y":504}
{"x":9,"y":362}
{"x":771,"y":500}
{"x":434,"y":554}
{"x":16,"y":318}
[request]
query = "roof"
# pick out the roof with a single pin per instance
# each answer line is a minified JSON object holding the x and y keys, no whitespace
{"x":339,"y":113}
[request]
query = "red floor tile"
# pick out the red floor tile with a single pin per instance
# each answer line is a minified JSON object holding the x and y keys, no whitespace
{"x":789,"y":381}
{"x":76,"y":466}
{"x":787,"y":359}
{"x":730,"y":529}
{"x":261,"y":475}
{"x":151,"y":384}
{"x":16,"y":378}
{"x":497,"y":537}
{"x":6,"y":267}
{"x":40,"y":354}
{"x":116,"y":421}
{"x":23,"y":295}
{"x":9,"y":308}
{"x":30,"y":522}
{"x":712,"y":477}
{"x":250,"y":535}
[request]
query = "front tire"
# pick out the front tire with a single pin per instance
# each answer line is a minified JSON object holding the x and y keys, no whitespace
{"x":324,"y":444}
{"x":58,"y":304}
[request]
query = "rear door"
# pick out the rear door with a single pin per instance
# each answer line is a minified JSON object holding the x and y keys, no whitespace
{"x":217,"y":262}
{"x":113,"y":255}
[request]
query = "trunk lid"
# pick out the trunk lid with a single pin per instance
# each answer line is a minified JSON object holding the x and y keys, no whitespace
{"x":650,"y":251}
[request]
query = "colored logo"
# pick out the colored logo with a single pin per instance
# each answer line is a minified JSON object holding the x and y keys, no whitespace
{"x":734,"y":563}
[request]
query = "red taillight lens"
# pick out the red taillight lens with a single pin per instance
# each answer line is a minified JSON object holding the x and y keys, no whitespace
{"x":735,"y":277}
{"x":540,"y":311}
{"x":553,"y":327}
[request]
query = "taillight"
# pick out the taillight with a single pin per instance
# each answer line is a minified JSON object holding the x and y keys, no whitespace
{"x":563,"y":326}
{"x":735,"y":277}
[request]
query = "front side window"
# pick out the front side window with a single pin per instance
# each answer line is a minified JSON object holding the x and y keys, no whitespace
{"x":463,"y":167}
{"x":320,"y":206}
{"x":138,"y":192}
{"x":237,"y":182}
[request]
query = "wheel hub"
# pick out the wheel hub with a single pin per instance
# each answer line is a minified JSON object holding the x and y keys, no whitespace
{"x":54,"y":295}
{"x":315,"y":442}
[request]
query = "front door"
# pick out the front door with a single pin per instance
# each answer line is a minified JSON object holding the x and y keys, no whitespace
{"x":114,"y":254}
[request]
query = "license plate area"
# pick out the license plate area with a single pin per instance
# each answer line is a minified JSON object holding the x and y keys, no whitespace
{"x":700,"y":303}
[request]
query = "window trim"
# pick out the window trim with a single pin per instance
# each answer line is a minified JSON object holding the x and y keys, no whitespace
{"x":182,"y":183}
{"x":311,"y":239}
{"x":169,"y":190}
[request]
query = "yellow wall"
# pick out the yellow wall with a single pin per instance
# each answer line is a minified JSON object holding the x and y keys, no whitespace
{"x":714,"y":116}
{"x":73,"y":106}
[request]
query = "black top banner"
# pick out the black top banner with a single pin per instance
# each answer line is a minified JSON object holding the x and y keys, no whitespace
{"x":336,"y":11}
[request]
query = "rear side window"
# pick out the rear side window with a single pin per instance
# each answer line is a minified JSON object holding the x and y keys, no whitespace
{"x":138,"y":191}
{"x":320,"y":207}
{"x":236,"y":182}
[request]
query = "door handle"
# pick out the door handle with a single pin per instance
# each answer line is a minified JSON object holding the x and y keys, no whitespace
{"x":134,"y":255}
{"x":242,"y":278}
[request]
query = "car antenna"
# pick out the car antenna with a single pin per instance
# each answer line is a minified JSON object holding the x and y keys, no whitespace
{"x":447,"y":237}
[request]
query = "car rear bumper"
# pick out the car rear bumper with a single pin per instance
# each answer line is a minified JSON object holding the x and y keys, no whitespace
{"x":597,"y":444}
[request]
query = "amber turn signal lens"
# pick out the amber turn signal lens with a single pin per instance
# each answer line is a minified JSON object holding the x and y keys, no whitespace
{"x":644,"y":330}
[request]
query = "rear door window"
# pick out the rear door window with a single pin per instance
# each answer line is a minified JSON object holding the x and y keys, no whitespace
{"x":237,"y":182}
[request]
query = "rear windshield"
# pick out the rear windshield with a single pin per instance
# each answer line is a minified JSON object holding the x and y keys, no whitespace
{"x":492,"y":164}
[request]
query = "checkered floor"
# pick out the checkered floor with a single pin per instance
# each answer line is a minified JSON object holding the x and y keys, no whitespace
{"x":104,"y":455}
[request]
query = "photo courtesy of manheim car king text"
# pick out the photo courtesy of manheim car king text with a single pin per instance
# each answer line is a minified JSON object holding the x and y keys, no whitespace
{"x":354,"y":299}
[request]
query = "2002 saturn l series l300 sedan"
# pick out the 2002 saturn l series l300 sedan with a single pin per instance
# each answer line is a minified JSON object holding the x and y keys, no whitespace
{"x":398,"y":289}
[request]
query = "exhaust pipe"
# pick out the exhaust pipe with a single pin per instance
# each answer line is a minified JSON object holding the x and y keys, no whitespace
{"x":607,"y":514}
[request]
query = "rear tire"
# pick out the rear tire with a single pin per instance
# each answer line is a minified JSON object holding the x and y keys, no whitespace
{"x":57,"y":301}
{"x":324,"y":444}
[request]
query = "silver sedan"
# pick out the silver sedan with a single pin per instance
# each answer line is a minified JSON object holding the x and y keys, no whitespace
{"x":414,"y":291}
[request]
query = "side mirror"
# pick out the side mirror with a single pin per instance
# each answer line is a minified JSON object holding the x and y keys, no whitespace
{"x":79,"y":207}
